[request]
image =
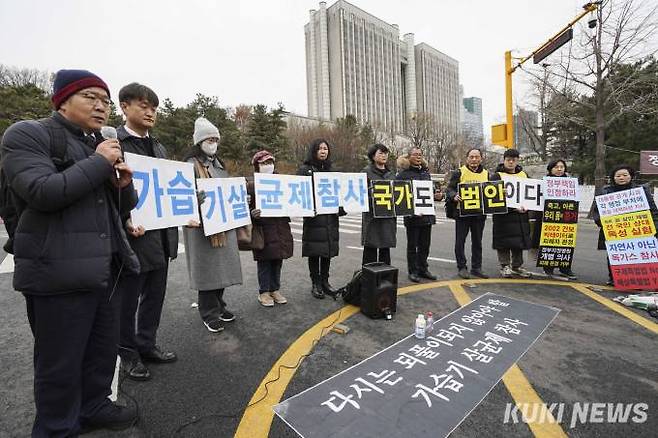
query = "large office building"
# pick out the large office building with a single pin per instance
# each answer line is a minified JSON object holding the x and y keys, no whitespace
{"x":472,"y":128}
{"x":357,"y":64}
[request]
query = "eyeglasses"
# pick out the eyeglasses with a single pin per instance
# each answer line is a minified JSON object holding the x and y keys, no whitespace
{"x":92,"y":98}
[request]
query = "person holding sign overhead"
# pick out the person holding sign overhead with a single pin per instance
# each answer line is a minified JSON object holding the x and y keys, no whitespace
{"x":213,"y":262}
{"x":277,"y":237}
{"x":378,"y":235}
{"x":472,"y":172}
{"x":621,"y":178}
{"x":320,"y":233}
{"x":511,"y":231}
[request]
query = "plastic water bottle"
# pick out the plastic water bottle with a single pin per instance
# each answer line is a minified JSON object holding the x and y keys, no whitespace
{"x":420,"y":326}
{"x":429,"y":322}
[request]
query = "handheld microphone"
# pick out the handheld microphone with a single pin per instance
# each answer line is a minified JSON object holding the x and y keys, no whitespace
{"x":110,"y":132}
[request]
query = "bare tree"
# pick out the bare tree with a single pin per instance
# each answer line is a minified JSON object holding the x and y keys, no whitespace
{"x":586,"y":79}
{"x":22,"y":77}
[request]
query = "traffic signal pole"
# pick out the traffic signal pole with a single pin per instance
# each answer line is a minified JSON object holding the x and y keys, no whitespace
{"x":503,"y":135}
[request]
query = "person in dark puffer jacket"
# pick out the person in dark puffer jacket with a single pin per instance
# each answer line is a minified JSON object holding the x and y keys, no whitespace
{"x":278,"y":240}
{"x":511,"y":231}
{"x":412,"y":166}
{"x":621,"y":178}
{"x":320,"y":234}
{"x":69,"y":250}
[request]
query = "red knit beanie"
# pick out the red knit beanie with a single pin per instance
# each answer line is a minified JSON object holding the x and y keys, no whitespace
{"x":69,"y":82}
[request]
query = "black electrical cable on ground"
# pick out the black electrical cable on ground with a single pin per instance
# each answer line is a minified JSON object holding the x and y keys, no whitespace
{"x":264,"y":396}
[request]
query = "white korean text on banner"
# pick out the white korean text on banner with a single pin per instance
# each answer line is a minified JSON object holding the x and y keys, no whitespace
{"x":165,"y":190}
{"x":524,"y":192}
{"x":423,"y":197}
{"x":225,"y":205}
{"x":326,"y":186}
{"x":284,"y":195}
{"x":556,"y":188}
{"x":354,"y":192}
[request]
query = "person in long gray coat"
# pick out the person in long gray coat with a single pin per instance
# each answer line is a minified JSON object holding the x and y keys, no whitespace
{"x":378,"y":235}
{"x":213,"y":262}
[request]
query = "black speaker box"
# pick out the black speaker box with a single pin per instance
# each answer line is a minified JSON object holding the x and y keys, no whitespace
{"x":379,"y":290}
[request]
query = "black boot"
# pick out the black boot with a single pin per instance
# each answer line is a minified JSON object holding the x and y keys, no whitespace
{"x":316,"y":289}
{"x":327,"y":289}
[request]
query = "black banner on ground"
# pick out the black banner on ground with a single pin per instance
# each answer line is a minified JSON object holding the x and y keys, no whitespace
{"x":422,"y":387}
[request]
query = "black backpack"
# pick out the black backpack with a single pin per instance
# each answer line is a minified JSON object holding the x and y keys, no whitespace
{"x":351,"y":292}
{"x":11,"y":205}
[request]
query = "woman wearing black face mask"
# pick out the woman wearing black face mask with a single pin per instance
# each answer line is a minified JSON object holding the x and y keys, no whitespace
{"x":320,"y":236}
{"x":277,"y":238}
{"x":621,"y":178}
{"x":213,"y":262}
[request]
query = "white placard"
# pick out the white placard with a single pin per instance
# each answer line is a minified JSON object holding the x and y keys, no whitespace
{"x":326,"y":187}
{"x":225,"y":205}
{"x":166,"y":192}
{"x":523,"y":192}
{"x":423,"y":197}
{"x":623,"y":201}
{"x":563,"y":188}
{"x":354,"y":192}
{"x":633,"y":251}
{"x":284,"y":195}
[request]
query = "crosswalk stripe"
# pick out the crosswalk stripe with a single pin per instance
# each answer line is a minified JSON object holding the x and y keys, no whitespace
{"x":7,"y":265}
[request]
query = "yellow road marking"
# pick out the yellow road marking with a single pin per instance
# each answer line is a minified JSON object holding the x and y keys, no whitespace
{"x":542,"y":425}
{"x":257,"y":420}
{"x":619,"y":308}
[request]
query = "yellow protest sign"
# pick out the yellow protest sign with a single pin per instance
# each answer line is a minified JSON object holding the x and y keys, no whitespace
{"x":628,"y":225}
{"x":563,"y":235}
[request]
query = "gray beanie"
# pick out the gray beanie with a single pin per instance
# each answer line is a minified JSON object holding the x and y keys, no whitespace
{"x":203,"y":130}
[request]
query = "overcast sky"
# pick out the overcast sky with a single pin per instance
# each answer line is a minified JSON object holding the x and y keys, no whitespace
{"x":253,"y":51}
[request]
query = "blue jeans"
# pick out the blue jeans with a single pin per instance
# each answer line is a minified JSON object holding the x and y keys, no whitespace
{"x":269,"y":275}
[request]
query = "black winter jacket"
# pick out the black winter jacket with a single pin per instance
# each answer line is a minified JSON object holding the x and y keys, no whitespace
{"x":616,"y":188}
{"x":512,"y":229}
{"x":320,"y":236}
{"x":70,"y":227}
{"x":378,"y":232}
{"x":155,"y":246}
{"x":407,"y":172}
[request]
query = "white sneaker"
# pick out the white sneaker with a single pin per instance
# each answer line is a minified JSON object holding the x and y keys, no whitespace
{"x":265,"y":299}
{"x":521,"y":272}
{"x":506,"y":272}
{"x":278,"y":298}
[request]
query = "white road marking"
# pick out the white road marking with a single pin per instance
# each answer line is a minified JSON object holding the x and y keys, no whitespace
{"x":7,"y":265}
{"x":181,"y":248}
{"x":438,"y":259}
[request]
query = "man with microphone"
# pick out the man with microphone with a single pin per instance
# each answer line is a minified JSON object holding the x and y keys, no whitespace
{"x":70,"y":249}
{"x":142,"y":295}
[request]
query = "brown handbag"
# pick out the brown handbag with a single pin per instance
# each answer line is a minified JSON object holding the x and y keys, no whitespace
{"x":250,"y":237}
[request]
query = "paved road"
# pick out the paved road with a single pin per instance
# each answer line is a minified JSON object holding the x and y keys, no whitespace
{"x":591,"y":353}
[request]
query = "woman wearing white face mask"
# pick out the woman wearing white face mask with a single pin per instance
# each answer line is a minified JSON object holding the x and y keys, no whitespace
{"x":278,"y":241}
{"x":213,"y":262}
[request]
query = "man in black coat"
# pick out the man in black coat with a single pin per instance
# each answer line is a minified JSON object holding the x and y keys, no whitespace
{"x":69,"y":250}
{"x":142,"y":295}
{"x":419,"y":228}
